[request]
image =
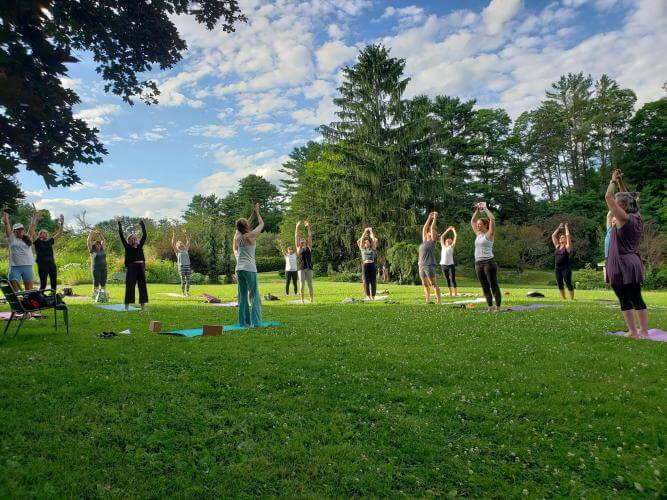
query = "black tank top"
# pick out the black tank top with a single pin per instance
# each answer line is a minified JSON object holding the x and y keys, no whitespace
{"x":305,"y":258}
{"x":562,"y":257}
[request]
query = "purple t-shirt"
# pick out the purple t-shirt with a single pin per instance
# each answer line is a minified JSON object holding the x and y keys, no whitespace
{"x":624,"y":266}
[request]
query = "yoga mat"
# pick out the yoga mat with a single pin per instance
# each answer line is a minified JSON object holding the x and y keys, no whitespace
{"x":478,"y":300}
{"x":197,"y":332}
{"x":377,"y":297}
{"x":117,"y":307}
{"x":224,"y":304}
{"x":172,"y":294}
{"x":299,"y":303}
{"x":654,"y":334}
{"x":4,"y":316}
{"x":526,"y":308}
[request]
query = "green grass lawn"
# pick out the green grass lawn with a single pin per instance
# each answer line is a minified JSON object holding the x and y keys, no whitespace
{"x":369,"y":399}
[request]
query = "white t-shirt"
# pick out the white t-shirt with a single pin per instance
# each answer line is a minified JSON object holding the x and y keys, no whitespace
{"x":20,"y":254}
{"x":447,"y":256}
{"x":290,"y":262}
{"x":483,"y":248}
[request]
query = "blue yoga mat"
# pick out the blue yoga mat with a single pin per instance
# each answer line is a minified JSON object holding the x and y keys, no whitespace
{"x":117,"y":307}
{"x":197,"y":332}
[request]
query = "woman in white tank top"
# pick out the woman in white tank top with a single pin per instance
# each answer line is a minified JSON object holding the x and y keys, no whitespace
{"x":485,"y":265}
{"x":447,"y":245}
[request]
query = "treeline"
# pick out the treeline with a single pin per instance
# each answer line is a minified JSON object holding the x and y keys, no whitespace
{"x":388,"y":161}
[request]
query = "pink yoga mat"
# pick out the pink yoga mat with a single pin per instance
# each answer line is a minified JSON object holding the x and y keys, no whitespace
{"x":654,"y":334}
{"x":4,"y":316}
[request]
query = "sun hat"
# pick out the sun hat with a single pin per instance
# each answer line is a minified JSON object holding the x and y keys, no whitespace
{"x":16,"y":226}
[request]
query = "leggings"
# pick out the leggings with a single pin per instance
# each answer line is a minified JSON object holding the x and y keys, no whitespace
{"x":185,"y":272}
{"x":449,"y":272}
{"x":370,"y":274}
{"x":99,"y":277}
{"x":47,"y":269}
{"x":487,"y":274}
{"x":290,"y":276}
{"x":564,"y":274}
{"x":630,"y":296}
{"x":135,"y":274}
{"x":306,"y":275}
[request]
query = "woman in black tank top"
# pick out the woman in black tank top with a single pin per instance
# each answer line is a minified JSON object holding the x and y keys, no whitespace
{"x":563,"y":244}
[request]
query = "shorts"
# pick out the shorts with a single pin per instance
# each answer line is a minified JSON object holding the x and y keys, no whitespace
{"x":427,"y":272}
{"x":16,"y":273}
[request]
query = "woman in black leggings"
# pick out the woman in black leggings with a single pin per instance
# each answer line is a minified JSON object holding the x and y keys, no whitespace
{"x":485,"y":264}
{"x":46,"y":261}
{"x":563,"y":244}
{"x":368,"y":245}
{"x":135,"y":265}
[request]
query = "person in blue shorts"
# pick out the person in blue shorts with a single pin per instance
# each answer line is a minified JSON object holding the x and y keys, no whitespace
{"x":21,"y":259}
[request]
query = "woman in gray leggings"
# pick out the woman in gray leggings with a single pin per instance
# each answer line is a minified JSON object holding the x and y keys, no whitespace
{"x":305,"y":254}
{"x":98,"y":259}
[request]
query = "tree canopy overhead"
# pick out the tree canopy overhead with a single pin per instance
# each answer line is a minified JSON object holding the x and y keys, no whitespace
{"x":126,"y":38}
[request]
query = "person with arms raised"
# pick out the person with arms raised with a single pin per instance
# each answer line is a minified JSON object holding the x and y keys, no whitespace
{"x":249,"y":299}
{"x":135,"y":265}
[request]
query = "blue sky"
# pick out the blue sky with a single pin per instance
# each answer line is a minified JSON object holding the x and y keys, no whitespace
{"x":239,"y":103}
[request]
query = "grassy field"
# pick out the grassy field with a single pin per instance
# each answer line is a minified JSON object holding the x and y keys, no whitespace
{"x":362,"y":399}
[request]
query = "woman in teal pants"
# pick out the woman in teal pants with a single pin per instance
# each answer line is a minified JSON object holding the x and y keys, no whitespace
{"x":250,"y":302}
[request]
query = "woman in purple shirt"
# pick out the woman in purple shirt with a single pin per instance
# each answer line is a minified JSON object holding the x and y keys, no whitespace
{"x":625,"y":272}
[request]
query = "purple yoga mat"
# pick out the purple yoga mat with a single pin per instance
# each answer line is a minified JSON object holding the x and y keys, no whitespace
{"x":653,"y":334}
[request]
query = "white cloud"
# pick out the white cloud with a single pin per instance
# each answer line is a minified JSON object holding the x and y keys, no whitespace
{"x":222,"y":131}
{"x":407,"y":16}
{"x":157,"y":202}
{"x":263,"y":128}
{"x":124,"y":184}
{"x":98,"y":115}
{"x":263,"y":104}
{"x":335,"y":32}
{"x":81,"y":186}
{"x":236,"y":166}
{"x":332,"y":55}
{"x":499,"y":12}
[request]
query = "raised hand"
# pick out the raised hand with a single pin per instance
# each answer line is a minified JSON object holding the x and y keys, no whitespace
{"x":306,"y":224}
{"x":616,"y":175}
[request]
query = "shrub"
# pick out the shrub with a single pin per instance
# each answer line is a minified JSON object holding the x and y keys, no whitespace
{"x":74,"y":273}
{"x":162,"y":271}
{"x":589,"y":278}
{"x":319,"y":269}
{"x":268,"y":264}
{"x":403,"y":261}
{"x":655,"y":278}
{"x":346,"y":276}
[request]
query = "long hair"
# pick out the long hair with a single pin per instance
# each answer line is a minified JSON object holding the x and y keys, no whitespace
{"x":242,"y":226}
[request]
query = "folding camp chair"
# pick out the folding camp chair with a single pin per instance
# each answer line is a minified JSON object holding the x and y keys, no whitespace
{"x":21,"y":313}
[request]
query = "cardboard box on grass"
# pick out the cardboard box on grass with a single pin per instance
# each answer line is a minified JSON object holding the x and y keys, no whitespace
{"x":155,"y":326}
{"x":212,"y":330}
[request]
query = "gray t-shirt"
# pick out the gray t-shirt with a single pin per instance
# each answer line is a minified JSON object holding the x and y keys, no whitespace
{"x":427,"y":254}
{"x":183,"y":258}
{"x":246,"y":258}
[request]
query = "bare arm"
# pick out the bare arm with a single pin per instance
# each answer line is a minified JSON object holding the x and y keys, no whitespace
{"x":473,"y":220}
{"x":187,"y":240}
{"x":296,"y":235}
{"x":360,"y":241}
{"x":36,"y":216}
{"x":89,"y":242}
{"x":6,"y":223}
{"x":374,"y":240}
{"x":309,"y":241}
{"x":455,"y":237}
{"x":608,"y":219}
{"x":425,"y":228}
{"x":620,"y":214}
{"x":235,"y":245}
{"x":173,"y":241}
{"x":554,"y":235}
{"x":568,"y":239}
{"x":260,"y":223}
{"x":59,"y":233}
{"x":491,"y":233}
{"x":434,"y":226}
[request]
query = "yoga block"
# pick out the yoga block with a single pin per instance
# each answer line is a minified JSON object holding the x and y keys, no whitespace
{"x":212,"y":330}
{"x":155,"y":326}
